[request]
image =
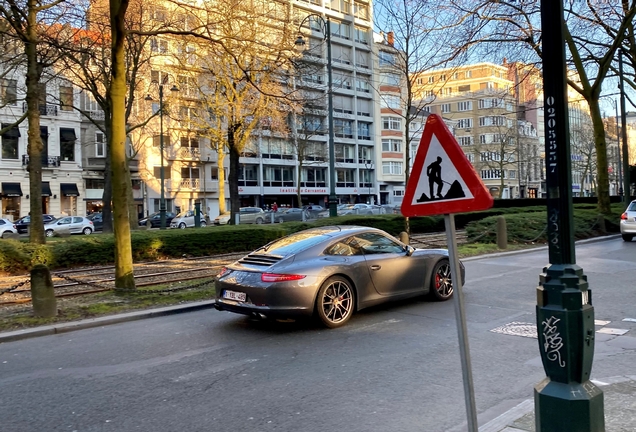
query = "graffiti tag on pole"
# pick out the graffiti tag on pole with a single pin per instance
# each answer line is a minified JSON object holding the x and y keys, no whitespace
{"x":552,"y":341}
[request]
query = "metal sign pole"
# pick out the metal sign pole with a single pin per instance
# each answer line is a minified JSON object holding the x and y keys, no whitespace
{"x":460,"y":317}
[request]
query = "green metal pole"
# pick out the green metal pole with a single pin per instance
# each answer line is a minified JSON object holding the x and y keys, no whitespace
{"x":162,"y":201}
{"x":333,"y":199}
{"x":626,"y":179}
{"x":566,"y":400}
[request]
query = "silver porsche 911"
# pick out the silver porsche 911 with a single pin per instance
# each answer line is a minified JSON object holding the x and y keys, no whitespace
{"x":331,"y":272}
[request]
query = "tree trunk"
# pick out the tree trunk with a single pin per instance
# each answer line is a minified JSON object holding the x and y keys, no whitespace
{"x":221,"y":176}
{"x":235,"y":202}
{"x":34,"y":145}
{"x":124,"y":277}
{"x":107,"y":196}
{"x":602,"y":189}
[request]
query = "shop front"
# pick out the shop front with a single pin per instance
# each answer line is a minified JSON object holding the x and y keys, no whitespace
{"x":69,"y":194}
{"x":11,"y":199}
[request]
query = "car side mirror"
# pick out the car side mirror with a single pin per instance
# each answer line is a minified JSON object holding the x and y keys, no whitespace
{"x":409,"y":250}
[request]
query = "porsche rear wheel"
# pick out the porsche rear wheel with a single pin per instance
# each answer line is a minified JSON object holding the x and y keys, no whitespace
{"x":441,"y":281}
{"x":335,"y":302}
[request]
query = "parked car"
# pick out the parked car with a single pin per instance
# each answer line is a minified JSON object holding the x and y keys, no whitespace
{"x":22,"y":224}
{"x":69,"y":225}
{"x":96,"y":218}
{"x":331,"y":272}
{"x":222,"y":219}
{"x":360,"y":209}
{"x":628,"y":222}
{"x":7,"y":228}
{"x":290,"y":214}
{"x":247,"y":215}
{"x":155,"y":219}
{"x":185,"y":219}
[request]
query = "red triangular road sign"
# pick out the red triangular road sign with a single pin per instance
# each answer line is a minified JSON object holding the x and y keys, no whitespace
{"x":442,"y":180}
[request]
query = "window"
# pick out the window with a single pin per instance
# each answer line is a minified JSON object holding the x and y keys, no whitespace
{"x":340,"y":79}
{"x":465,"y":140}
{"x":392,"y":168}
{"x":364,"y":131}
{"x":156,"y":141}
{"x":166,"y":172}
{"x":360,"y":35}
{"x":343,"y":104}
{"x":386,"y":58}
{"x":9,"y":92}
{"x":10,"y":142}
{"x":391,"y":145}
{"x":469,"y":74}
{"x":67,"y":144}
{"x":341,"y":54}
{"x":391,"y":123}
{"x":490,"y":174}
{"x":345,"y":153}
{"x":364,"y":107}
{"x":158,"y":14}
{"x":490,"y":156}
{"x":313,"y":177}
{"x":362,"y":85}
{"x":341,"y":30}
{"x":390,"y":79}
{"x":100,"y":145}
{"x":442,"y":77}
{"x":362,"y":59}
{"x":159,"y":77}
{"x":465,"y":123}
{"x":446,"y":108}
{"x":158,"y":45}
{"x":465,"y":106}
{"x":156,"y":205}
{"x":390,"y":101}
{"x":187,"y":86}
{"x":470,"y":157}
{"x":361,"y":11}
{"x":431,"y":79}
{"x":463,"y":88}
{"x":66,"y":98}
{"x":343,"y":128}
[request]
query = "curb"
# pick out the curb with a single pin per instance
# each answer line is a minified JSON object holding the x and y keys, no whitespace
{"x":102,"y":321}
{"x":522,"y":251}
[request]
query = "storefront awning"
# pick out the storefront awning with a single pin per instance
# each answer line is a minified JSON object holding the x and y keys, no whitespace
{"x":69,"y":189}
{"x":11,"y":190}
{"x":14,"y":132}
{"x":46,"y":189}
{"x":67,"y":134}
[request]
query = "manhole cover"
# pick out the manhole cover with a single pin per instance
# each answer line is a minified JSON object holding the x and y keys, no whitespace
{"x":518,"y":329}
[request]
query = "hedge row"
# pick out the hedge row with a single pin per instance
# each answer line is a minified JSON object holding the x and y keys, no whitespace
{"x":18,"y":256}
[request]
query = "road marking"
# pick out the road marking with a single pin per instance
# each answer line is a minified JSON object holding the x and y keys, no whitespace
{"x":516,"y":328}
{"x":612,"y":331}
{"x":629,"y":319}
{"x":601,"y":322}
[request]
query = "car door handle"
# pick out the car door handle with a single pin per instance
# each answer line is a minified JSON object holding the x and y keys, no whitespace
{"x":376,"y":267}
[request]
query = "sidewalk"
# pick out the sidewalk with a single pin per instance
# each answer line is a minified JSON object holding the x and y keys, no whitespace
{"x":619,"y":395}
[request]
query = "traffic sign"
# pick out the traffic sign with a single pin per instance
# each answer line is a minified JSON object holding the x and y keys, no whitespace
{"x":442,"y":180}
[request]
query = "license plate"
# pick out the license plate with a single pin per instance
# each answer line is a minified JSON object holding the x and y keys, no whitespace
{"x":233,"y":295}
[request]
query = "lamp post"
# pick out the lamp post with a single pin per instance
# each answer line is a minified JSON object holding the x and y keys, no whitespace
{"x":325,"y":25}
{"x":566,"y":399}
{"x":162,"y":200}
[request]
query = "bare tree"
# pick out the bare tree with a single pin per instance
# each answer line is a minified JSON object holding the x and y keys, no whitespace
{"x":593,"y":33}
{"x":29,"y":23}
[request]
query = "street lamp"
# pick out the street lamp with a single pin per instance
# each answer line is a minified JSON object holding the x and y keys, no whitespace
{"x":162,"y":201}
{"x":325,"y":26}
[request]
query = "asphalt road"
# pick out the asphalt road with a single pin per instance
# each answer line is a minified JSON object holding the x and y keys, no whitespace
{"x":393,"y":368}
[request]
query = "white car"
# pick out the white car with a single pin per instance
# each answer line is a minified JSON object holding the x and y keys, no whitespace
{"x":222,"y":219}
{"x":69,"y":225}
{"x":628,"y":222}
{"x":247,"y":215}
{"x":185,"y":220}
{"x":7,"y":228}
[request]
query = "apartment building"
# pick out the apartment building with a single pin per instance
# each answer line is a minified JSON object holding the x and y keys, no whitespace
{"x":62,"y":185}
{"x":495,"y":122}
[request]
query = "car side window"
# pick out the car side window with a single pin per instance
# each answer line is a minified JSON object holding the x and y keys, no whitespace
{"x":373,"y":243}
{"x":64,"y":221}
{"x":347,"y":247}
{"x":77,"y":220}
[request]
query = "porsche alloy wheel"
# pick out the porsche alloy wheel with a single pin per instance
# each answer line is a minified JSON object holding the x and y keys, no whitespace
{"x":442,"y":283}
{"x":335,"y":302}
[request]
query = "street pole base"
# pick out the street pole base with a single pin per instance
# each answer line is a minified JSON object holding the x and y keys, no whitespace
{"x":573,"y":407}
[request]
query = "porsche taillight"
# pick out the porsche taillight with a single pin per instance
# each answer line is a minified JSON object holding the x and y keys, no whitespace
{"x":276,"y":277}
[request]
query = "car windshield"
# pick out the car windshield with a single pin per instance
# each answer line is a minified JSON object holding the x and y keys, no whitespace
{"x":292,"y":244}
{"x":632,"y":206}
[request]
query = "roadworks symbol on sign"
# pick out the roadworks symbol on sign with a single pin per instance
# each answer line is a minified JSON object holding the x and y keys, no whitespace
{"x":442,"y":180}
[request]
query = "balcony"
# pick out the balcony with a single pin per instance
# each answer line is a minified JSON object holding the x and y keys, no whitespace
{"x":47,"y":161}
{"x":189,"y":153}
{"x":45,"y":109}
